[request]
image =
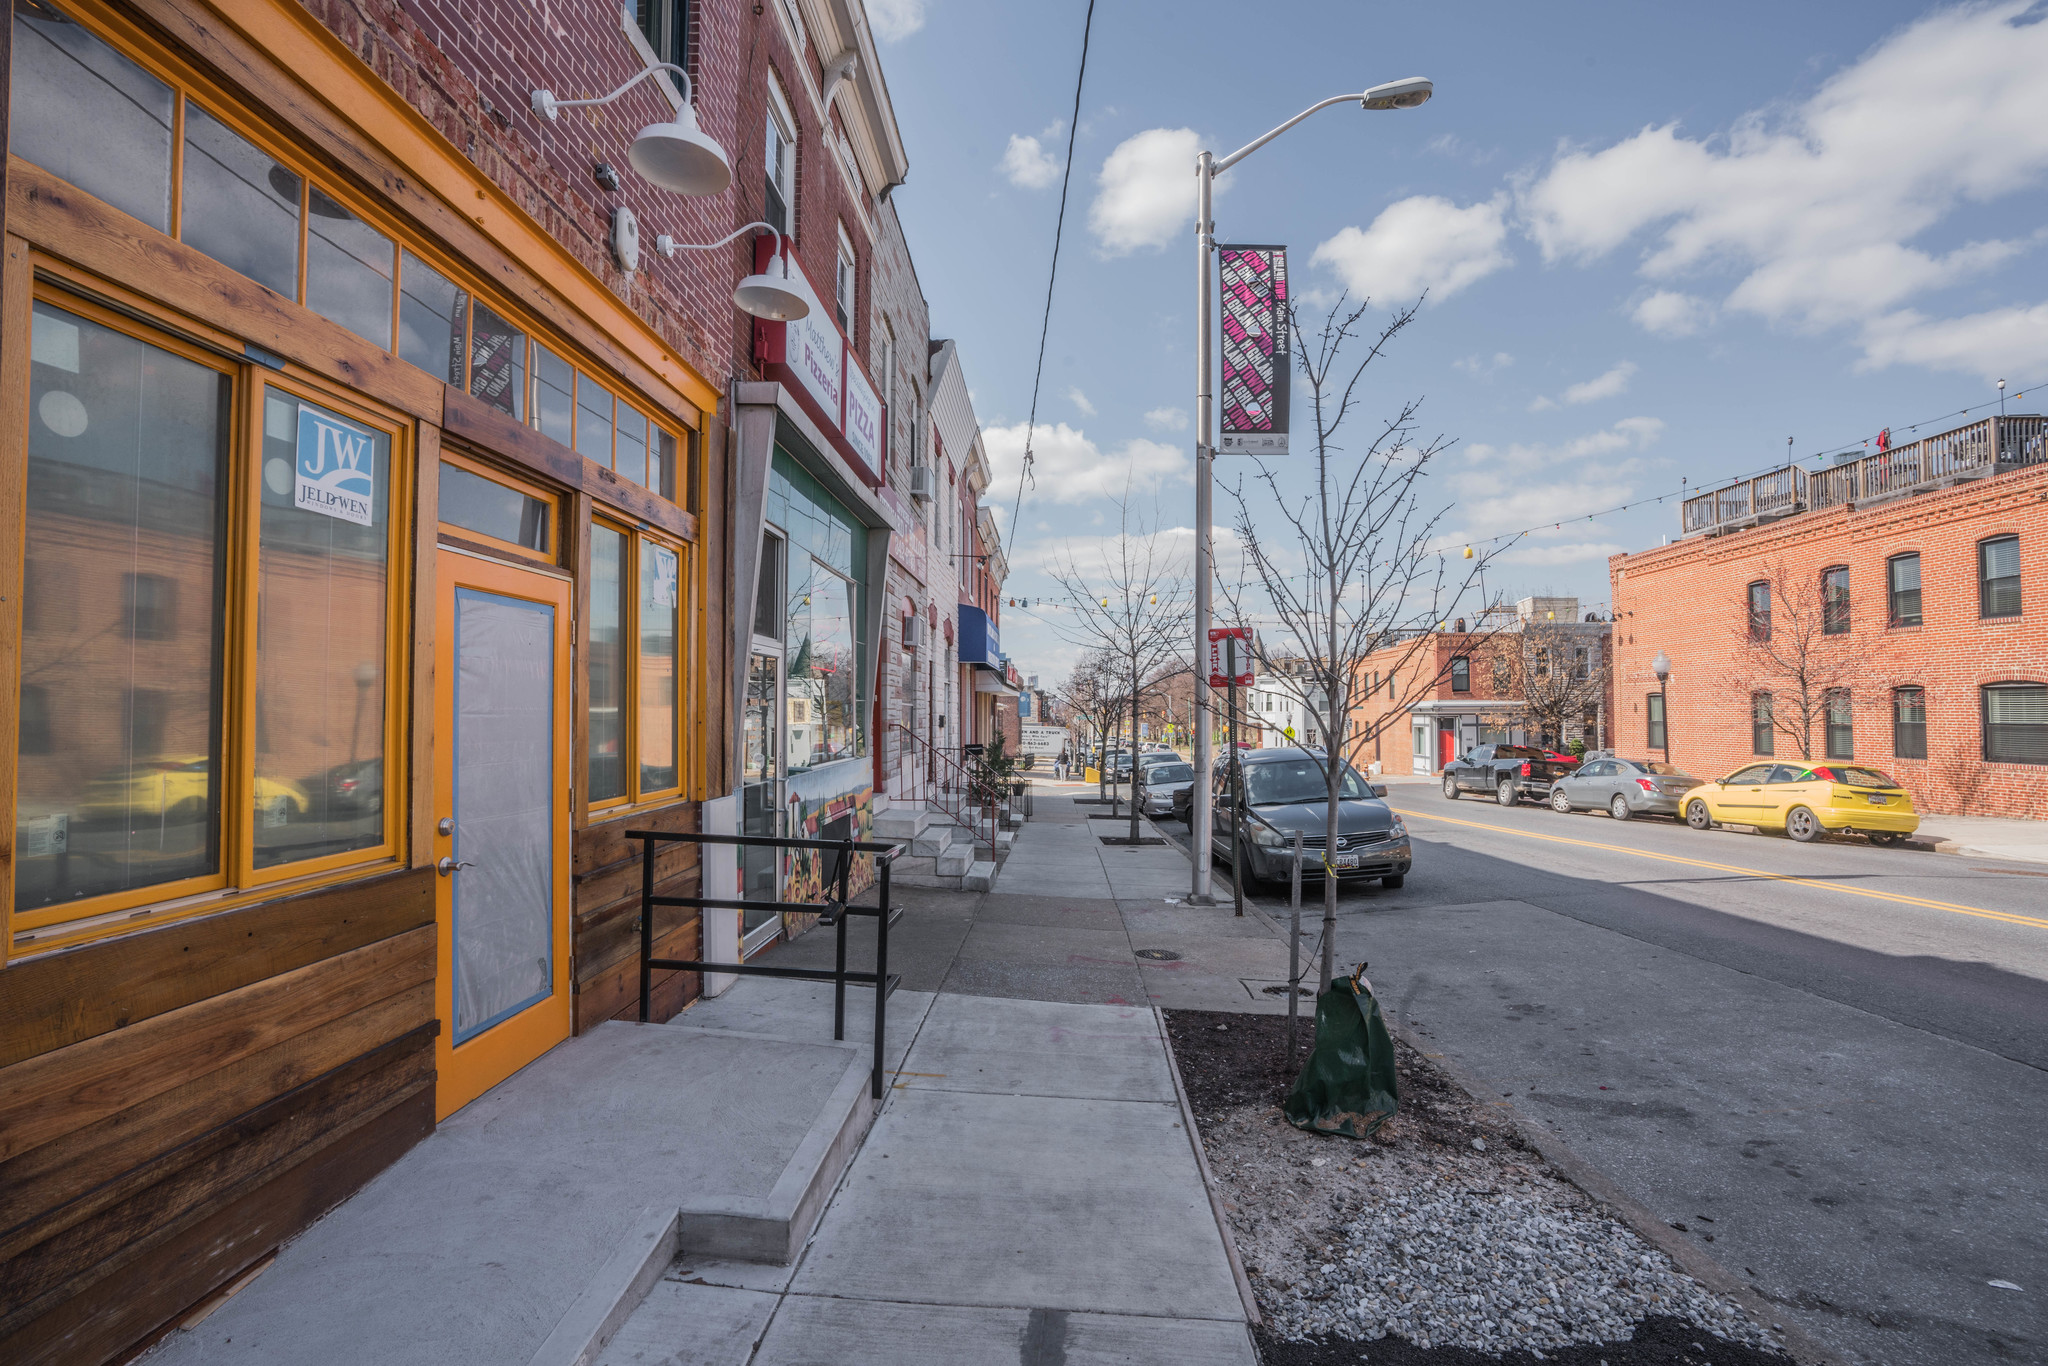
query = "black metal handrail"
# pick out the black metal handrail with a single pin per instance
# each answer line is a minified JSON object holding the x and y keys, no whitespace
{"x":833,"y":912}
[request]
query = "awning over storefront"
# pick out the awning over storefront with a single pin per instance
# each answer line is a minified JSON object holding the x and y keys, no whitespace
{"x":987,"y":682}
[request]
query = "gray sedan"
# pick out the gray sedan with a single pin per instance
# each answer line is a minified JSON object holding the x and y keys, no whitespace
{"x":1624,"y":788}
{"x":1159,"y":783}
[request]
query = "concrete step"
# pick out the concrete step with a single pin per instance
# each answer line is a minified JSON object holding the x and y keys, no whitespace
{"x":933,"y":842}
{"x":981,"y":877}
{"x":911,"y":871}
{"x":955,"y":861}
{"x":901,"y":823}
{"x":1004,"y":839}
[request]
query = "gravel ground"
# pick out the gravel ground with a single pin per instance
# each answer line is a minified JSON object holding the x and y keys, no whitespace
{"x":1443,"y":1239}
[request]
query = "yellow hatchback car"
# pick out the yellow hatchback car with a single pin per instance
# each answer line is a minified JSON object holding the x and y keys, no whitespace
{"x":1804,"y":801}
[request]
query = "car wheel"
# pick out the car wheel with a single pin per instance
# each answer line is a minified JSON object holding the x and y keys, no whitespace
{"x":1559,"y":802}
{"x":1886,"y":838}
{"x":1618,"y":808}
{"x":1450,"y":788}
{"x":1802,"y":825}
{"x":1393,"y":881}
{"x":1696,"y":816}
{"x":1505,"y":793}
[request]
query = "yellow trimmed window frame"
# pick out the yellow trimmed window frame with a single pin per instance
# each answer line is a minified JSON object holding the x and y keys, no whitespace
{"x":635,"y":670}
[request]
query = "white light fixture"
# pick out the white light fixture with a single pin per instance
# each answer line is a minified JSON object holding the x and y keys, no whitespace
{"x":768,"y":296}
{"x":1404,"y":94}
{"x":678,"y":157}
{"x":1661,"y":666}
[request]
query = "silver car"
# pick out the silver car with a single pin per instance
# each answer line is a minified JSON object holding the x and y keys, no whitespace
{"x":1623,"y":787}
{"x":1158,"y":782}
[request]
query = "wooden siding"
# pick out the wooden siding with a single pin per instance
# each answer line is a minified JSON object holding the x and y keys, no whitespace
{"x":606,"y":929}
{"x":177,"y":1102}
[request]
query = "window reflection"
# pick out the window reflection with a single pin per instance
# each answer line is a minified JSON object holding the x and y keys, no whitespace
{"x":239,"y":206}
{"x":631,"y":461}
{"x":85,"y":113}
{"x":659,"y":594}
{"x":554,"y":389}
{"x":118,"y":784}
{"x":607,"y":662}
{"x":594,"y":420}
{"x":484,"y":505}
{"x":348,"y":269}
{"x":433,"y":320}
{"x":822,"y":688}
{"x":320,"y":623}
{"x":497,"y":362}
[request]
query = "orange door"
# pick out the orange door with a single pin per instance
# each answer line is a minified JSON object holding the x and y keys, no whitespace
{"x":501,"y":791}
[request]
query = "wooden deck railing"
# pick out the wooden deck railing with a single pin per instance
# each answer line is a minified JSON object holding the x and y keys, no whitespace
{"x":1973,"y":452}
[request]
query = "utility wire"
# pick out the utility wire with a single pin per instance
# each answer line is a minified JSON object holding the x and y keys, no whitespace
{"x":1059,"y":229}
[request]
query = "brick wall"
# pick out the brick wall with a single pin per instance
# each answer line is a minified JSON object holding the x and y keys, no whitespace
{"x":1688,"y":600}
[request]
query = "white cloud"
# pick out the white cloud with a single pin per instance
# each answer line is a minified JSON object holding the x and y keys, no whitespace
{"x":1167,"y":419}
{"x":1528,"y":485}
{"x":1067,"y":467}
{"x":1421,"y":243}
{"x":1988,"y":344}
{"x":895,"y":20}
{"x":1148,"y":190}
{"x":1667,"y":313}
{"x":1481,"y":367}
{"x":1818,"y":208}
{"x":1577,"y":552}
{"x":1614,"y":382}
{"x":1080,"y":400}
{"x":1028,"y":165}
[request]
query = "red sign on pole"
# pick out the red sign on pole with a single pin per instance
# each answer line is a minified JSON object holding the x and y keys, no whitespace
{"x":1230,"y":657}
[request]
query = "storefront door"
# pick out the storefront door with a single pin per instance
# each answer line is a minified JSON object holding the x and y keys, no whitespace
{"x":501,"y":787}
{"x":761,"y":797}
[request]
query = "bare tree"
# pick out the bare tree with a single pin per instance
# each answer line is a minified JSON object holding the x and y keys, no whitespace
{"x":1352,"y":567}
{"x":1796,"y":657}
{"x":1130,"y":605}
{"x":1092,"y":693}
{"x":1564,"y":670}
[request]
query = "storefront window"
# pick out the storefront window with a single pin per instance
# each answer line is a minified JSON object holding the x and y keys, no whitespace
{"x":85,"y":113}
{"x":348,"y":269}
{"x":121,"y":664}
{"x":497,"y":362}
{"x":823,"y":560}
{"x":607,"y":662}
{"x":593,"y":420}
{"x":322,"y":587}
{"x":554,"y":396}
{"x":238,"y":205}
{"x":631,"y":457}
{"x":489,"y":508}
{"x":659,"y":577}
{"x":432,"y":319}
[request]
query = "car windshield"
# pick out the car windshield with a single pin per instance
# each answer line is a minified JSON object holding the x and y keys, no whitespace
{"x":1667,"y":770}
{"x":1298,"y":780}
{"x":1169,"y":773}
{"x":1854,"y":777}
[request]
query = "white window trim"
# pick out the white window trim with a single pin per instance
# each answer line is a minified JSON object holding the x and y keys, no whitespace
{"x":780,"y":115}
{"x":847,"y":256}
{"x":662,"y":79}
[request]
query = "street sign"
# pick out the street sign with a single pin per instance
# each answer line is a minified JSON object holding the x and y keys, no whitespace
{"x":1230,"y":657}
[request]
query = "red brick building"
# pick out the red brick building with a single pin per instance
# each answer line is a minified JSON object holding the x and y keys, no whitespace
{"x":1936,"y":591}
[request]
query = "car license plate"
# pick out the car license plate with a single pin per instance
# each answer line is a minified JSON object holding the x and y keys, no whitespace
{"x":1346,"y":861}
{"x":1877,"y":801}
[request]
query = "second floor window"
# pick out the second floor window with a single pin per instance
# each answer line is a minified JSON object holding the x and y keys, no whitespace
{"x":667,"y":26}
{"x":1902,"y":582}
{"x":779,"y":207}
{"x":1760,"y":611}
{"x":845,"y":288}
{"x":1461,"y":674}
{"x":1834,"y":600}
{"x":1998,"y":577}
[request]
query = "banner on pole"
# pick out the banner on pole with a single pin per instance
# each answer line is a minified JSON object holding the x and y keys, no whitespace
{"x":1256,"y":350}
{"x":1230,"y":657}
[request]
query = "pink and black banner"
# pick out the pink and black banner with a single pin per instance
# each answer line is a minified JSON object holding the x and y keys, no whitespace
{"x":1255,"y":350}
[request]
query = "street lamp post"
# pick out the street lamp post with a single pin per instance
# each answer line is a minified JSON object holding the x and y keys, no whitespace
{"x":1661,"y":666}
{"x":1402,"y":94}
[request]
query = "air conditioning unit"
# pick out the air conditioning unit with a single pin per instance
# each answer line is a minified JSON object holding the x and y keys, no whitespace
{"x":913,"y":632}
{"x":921,"y":482}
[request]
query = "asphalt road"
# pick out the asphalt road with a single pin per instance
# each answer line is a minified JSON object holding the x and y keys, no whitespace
{"x":1825,"y":1060}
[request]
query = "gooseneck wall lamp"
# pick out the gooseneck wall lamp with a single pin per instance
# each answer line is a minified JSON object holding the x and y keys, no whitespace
{"x":678,"y":156}
{"x":768,"y":295}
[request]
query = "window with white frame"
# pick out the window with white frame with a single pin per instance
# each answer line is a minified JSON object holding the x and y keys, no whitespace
{"x":844,"y":289}
{"x":780,"y":204}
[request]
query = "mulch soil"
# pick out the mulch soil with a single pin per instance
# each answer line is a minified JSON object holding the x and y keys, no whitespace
{"x":1246,"y":1063}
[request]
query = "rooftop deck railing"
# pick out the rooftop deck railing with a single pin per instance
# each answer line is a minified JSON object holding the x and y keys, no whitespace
{"x":1978,"y":451}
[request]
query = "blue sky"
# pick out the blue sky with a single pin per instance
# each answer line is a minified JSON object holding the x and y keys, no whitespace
{"x":1659,"y":240}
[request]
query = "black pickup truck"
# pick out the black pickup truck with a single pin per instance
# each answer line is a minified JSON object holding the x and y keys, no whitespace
{"x":1509,"y":772}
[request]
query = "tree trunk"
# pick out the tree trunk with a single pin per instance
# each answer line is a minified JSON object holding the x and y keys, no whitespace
{"x":1333,"y":778}
{"x":1134,"y":755}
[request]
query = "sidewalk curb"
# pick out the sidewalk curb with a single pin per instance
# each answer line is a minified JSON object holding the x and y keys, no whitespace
{"x":1187,"y":1119}
{"x":1688,"y":1257}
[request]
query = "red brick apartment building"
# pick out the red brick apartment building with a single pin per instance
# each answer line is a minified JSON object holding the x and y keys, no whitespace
{"x":1928,"y":568}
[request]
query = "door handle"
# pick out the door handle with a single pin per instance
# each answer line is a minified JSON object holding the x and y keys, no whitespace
{"x":447,"y":866}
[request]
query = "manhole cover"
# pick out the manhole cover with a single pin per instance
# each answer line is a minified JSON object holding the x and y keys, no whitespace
{"x":1159,"y":955}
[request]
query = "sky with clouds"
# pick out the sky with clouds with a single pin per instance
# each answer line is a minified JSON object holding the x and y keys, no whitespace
{"x":1657,"y":242}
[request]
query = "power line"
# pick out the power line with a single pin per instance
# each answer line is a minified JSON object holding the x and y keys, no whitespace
{"x":1059,"y":230}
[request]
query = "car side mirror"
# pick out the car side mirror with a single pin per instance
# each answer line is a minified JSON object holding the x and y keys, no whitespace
{"x":1379,"y":789}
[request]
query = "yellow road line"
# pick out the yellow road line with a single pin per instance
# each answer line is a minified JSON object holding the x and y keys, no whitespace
{"x":1898,"y":897}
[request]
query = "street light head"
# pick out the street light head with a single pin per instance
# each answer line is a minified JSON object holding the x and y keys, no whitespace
{"x":1405,"y":94}
{"x":1661,"y":666}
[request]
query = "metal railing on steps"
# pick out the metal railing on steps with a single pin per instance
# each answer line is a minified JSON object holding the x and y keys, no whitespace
{"x":833,"y":912}
{"x":946,"y":783}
